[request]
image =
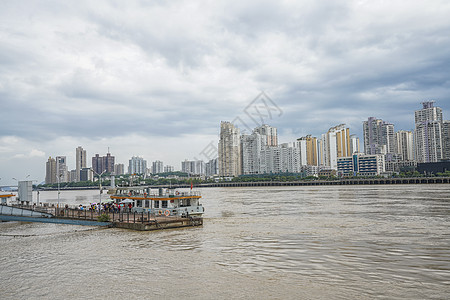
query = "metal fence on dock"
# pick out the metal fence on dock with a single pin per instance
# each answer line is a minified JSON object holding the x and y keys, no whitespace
{"x":111,"y":215}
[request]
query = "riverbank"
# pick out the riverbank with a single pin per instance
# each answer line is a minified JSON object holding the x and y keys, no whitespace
{"x":344,"y":181}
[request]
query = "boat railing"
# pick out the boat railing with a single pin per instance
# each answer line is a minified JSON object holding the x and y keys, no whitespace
{"x":156,"y":194}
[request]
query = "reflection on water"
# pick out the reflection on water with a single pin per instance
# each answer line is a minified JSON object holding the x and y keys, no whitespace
{"x":305,"y":242}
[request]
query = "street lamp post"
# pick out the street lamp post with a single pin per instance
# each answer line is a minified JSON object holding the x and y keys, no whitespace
{"x":100,"y":188}
{"x":59,"y":179}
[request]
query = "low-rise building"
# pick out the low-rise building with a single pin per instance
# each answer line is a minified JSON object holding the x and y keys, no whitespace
{"x":361,"y":164}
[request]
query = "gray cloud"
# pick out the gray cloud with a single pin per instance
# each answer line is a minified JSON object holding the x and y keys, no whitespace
{"x":103,"y":72}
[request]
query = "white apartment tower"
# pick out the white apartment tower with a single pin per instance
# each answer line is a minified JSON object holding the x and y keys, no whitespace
{"x":251,"y":147}
{"x":428,"y":133}
{"x":405,"y":145}
{"x":379,"y":136}
{"x":230,"y":163}
{"x":334,"y":144}
{"x":61,"y":169}
{"x":80,"y":161}
{"x":270,"y":133}
{"x":137,"y":165}
{"x":157,"y":167}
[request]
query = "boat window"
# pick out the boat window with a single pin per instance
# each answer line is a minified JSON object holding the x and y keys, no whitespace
{"x":164,"y":204}
{"x":187,"y":202}
{"x":147,"y":203}
{"x":156,"y":204}
{"x":139,"y":203}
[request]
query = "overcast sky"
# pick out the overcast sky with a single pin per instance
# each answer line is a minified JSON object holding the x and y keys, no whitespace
{"x":155,"y":78}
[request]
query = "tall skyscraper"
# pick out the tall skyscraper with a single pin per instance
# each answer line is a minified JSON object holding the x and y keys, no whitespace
{"x":354,"y":144}
{"x":61,"y":169}
{"x":80,"y":162}
{"x":379,"y":136}
{"x":405,"y":145}
{"x":251,"y":147}
{"x":230,"y":160}
{"x":137,"y":165}
{"x":50,"y":171}
{"x":334,"y":144}
{"x":270,"y":133}
{"x":446,"y":139}
{"x":308,"y":150}
{"x":103,"y":163}
{"x":428,"y":133}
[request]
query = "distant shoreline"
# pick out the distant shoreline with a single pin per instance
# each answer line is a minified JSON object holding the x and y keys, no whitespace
{"x":368,"y":181}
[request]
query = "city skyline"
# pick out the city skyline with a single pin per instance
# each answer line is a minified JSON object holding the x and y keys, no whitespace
{"x":154,"y":81}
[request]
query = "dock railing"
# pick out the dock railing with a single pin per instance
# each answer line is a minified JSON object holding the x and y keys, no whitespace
{"x":110,"y":215}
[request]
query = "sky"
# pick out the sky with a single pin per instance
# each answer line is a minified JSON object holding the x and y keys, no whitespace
{"x":155,"y":78}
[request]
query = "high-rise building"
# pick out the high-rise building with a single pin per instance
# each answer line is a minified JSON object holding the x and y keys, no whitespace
{"x":86,"y":174}
{"x":212,"y":167}
{"x":157,"y":167}
{"x":103,"y":163}
{"x":50,"y":171}
{"x":334,"y":144}
{"x":379,"y":136}
{"x":80,"y":162}
{"x":168,"y":169}
{"x":193,"y":167}
{"x":61,"y":169}
{"x":446,"y":139}
{"x":251,"y":147}
{"x":290,"y":159}
{"x":109,"y":161}
{"x":354,"y":144}
{"x":230,"y":159}
{"x":119,"y":169}
{"x":428,"y":133}
{"x":308,"y":150}
{"x":405,"y":145}
{"x":270,"y":133}
{"x":137,"y":165}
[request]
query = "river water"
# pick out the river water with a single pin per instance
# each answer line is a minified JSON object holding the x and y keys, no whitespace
{"x":328,"y":242}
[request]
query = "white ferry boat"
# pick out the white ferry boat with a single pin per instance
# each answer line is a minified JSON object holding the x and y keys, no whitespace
{"x":167,"y":202}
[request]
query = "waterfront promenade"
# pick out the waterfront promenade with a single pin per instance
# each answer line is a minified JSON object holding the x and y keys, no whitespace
{"x":344,"y":181}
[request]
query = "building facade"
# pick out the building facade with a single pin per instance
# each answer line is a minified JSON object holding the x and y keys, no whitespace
{"x":61,"y":169}
{"x":405,"y":145}
{"x":193,"y":167}
{"x":157,"y":167}
{"x":361,"y":164}
{"x":428,"y":134}
{"x":50,"y":171}
{"x":103,"y":163}
{"x":212,"y":167}
{"x":230,"y":159}
{"x":269,"y":132}
{"x":137,"y":165}
{"x":119,"y":169}
{"x":335,"y":144}
{"x":80,"y":161}
{"x":251,"y":149}
{"x":379,"y":136}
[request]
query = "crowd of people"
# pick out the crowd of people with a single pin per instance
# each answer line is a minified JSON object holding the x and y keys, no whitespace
{"x":108,"y":207}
